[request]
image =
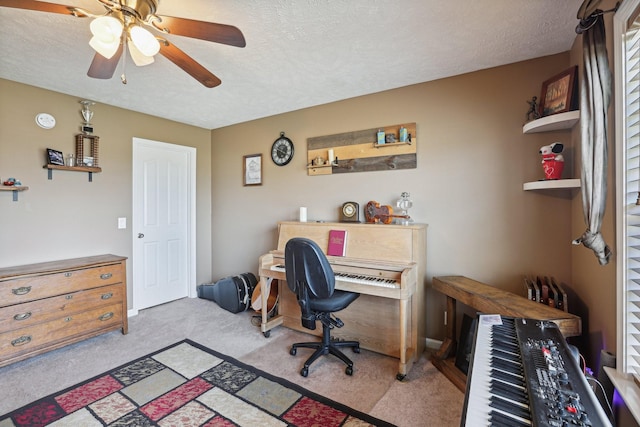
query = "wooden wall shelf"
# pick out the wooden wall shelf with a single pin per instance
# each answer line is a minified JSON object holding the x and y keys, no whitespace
{"x":393,"y":144}
{"x":14,"y":189}
{"x":554,"y":122}
{"x":552,"y":184}
{"x":89,"y":169}
{"x":357,"y":151}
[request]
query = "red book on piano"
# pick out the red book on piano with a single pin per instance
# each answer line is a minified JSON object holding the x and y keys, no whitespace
{"x":337,"y":243}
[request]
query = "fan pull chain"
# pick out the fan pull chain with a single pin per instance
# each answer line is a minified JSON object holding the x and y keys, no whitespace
{"x":123,"y":76}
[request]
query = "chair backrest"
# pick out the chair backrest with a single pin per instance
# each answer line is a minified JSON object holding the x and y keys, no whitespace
{"x":309,"y":274}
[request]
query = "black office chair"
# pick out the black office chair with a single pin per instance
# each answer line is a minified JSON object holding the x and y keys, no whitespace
{"x":310,"y":276}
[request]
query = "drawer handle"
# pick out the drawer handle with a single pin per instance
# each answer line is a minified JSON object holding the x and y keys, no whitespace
{"x":106,"y":316}
{"x":107,"y":296}
{"x":25,"y":339}
{"x":23,"y":316}
{"x":106,"y":276}
{"x":22,"y":290}
{"x":68,"y":319}
{"x":67,"y":274}
{"x":68,"y":297}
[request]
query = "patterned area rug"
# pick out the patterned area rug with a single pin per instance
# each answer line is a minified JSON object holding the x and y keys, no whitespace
{"x":186,"y":384}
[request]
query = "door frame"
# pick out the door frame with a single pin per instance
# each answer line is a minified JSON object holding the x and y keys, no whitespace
{"x":191,"y":210}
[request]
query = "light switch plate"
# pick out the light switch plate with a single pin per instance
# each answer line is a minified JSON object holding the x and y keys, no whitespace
{"x":122,"y":223}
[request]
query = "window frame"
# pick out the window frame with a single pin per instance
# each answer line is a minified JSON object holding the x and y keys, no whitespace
{"x":627,"y":10}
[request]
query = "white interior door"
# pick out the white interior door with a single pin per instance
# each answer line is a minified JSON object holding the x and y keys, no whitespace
{"x":163,"y":223}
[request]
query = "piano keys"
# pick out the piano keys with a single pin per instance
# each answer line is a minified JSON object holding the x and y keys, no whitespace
{"x":522,"y":373}
{"x":356,"y":278}
{"x":385,"y":264}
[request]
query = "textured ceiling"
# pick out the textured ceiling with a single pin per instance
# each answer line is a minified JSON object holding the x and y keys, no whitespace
{"x":299,"y":53}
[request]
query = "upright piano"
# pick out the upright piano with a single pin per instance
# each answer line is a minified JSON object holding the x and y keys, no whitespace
{"x":385,"y":263}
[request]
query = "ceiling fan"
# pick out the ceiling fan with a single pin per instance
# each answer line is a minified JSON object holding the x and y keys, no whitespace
{"x":124,"y":25}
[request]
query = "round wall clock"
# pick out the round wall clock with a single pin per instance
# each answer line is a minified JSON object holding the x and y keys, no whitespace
{"x":282,"y":150}
{"x":350,"y":212}
{"x":45,"y":121}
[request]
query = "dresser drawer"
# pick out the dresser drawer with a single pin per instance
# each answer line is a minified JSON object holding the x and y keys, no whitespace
{"x":32,"y":288}
{"x":67,"y":328}
{"x":29,"y":313}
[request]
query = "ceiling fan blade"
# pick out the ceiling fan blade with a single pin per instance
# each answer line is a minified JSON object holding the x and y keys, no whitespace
{"x":188,"y":64}
{"x":210,"y":31}
{"x":41,"y":6}
{"x":103,"y":68}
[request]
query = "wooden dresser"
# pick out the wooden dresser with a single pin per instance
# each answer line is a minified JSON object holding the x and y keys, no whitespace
{"x":48,"y":305}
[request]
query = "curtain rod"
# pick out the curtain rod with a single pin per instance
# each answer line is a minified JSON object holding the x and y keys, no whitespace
{"x":589,"y":21}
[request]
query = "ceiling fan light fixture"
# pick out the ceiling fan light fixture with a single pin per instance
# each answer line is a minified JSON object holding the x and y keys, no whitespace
{"x":106,"y":32}
{"x":105,"y":49}
{"x":106,"y":28}
{"x":144,"y":41}
{"x":138,"y":57}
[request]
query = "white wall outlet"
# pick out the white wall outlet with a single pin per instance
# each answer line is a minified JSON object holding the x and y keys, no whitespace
{"x":122,"y":223}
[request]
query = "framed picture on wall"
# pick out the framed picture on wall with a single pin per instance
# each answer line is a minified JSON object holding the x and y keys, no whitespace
{"x":55,"y":157}
{"x":252,"y":169}
{"x":559,"y":93}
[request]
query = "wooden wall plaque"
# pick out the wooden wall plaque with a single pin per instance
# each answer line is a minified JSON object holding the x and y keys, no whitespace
{"x":358,"y":151}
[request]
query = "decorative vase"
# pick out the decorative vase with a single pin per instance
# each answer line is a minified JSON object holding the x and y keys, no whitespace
{"x":552,"y":169}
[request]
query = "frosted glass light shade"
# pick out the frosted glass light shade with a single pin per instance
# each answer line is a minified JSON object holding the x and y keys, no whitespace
{"x":138,"y":57}
{"x":144,"y":41}
{"x":106,"y":32}
{"x":105,"y":49}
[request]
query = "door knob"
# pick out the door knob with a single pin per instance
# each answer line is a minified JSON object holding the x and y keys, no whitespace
{"x":140,"y":235}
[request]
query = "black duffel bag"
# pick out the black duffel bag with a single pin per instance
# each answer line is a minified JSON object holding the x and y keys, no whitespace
{"x":232,"y":293}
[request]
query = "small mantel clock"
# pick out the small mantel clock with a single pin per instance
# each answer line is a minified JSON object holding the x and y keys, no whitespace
{"x":350,"y":212}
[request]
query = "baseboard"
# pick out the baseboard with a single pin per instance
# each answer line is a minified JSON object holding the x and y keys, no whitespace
{"x":433,"y":344}
{"x":132,"y":312}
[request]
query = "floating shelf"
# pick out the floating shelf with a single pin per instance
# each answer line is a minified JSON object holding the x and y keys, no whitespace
{"x":551,"y":184}
{"x":358,"y":151}
{"x":15,"y":190}
{"x":392,"y":144}
{"x":554,"y":122}
{"x":325,"y":169}
{"x":89,"y":169}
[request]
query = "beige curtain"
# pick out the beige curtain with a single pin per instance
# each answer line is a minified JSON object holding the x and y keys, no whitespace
{"x":595,"y":96}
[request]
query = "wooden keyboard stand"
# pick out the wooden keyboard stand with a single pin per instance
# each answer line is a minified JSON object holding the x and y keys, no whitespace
{"x":488,"y":300}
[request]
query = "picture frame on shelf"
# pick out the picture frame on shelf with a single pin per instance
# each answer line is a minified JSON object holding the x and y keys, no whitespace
{"x":252,"y":169}
{"x":559,"y":93}
{"x":55,"y":157}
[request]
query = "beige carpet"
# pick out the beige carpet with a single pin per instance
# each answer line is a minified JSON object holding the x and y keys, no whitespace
{"x":425,"y":398}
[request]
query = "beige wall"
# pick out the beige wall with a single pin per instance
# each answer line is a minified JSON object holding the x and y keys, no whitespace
{"x":68,"y":216}
{"x":472,"y":162}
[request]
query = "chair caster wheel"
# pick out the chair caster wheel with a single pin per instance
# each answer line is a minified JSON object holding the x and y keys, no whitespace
{"x":349,"y":370}
{"x":293,"y":351}
{"x":356,"y":349}
{"x":400,"y":377}
{"x":304,"y":372}
{"x":267,"y":334}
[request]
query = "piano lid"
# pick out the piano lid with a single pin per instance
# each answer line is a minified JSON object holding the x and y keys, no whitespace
{"x":385,"y":242}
